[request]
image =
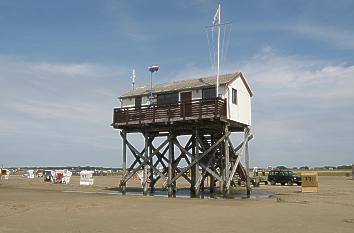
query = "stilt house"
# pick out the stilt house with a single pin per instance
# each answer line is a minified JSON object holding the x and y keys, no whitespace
{"x":188,"y":100}
{"x":188,"y":108}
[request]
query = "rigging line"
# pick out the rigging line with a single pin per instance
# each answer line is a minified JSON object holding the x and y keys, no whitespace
{"x":223,"y":47}
{"x":213,"y":48}
{"x":228,"y":42}
{"x":212,"y":26}
{"x":210,"y":55}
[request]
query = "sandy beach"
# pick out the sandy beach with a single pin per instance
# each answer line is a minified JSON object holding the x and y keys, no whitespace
{"x":29,"y":205}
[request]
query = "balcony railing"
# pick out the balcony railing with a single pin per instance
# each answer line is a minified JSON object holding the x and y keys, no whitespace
{"x":183,"y":110}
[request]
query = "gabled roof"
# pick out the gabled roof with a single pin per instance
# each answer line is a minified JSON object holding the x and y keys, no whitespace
{"x":188,"y":85}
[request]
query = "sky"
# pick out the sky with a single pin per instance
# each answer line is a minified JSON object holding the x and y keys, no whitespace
{"x":64,"y":63}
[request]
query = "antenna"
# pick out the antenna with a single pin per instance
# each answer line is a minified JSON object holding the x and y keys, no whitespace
{"x":133,"y":79}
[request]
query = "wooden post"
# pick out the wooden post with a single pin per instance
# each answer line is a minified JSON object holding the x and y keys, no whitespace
{"x":192,"y":170}
{"x":145,"y":183}
{"x":227,"y":161}
{"x":212,"y":179}
{"x":248,"y":185}
{"x":151,"y":165}
{"x":124,"y":163}
{"x":222,"y":171}
{"x":171,"y":187}
{"x":195,"y":177}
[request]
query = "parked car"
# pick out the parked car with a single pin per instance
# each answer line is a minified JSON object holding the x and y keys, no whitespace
{"x":259,"y":175}
{"x":283,"y":177}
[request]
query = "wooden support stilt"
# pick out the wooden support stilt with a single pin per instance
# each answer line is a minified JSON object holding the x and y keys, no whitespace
{"x":212,"y":182}
{"x":247,"y":162}
{"x":151,"y":166}
{"x":193,"y":167}
{"x":239,"y":152}
{"x":171,"y":187}
{"x":222,"y":171}
{"x":212,"y":179}
{"x":227,"y":161}
{"x":124,"y":162}
{"x":146,"y":169}
{"x":196,"y":166}
{"x":196,"y":174}
{"x":200,"y":182}
{"x":203,"y":176}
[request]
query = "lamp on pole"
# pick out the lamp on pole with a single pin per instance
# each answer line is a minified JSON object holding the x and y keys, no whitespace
{"x":152,"y":69}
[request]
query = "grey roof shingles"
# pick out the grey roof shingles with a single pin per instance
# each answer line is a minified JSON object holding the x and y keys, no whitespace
{"x":183,"y":85}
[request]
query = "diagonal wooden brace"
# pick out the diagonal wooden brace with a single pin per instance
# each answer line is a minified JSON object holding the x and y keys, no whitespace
{"x":198,"y":158}
{"x":179,"y":171}
{"x":200,"y":164}
{"x":199,"y":181}
{"x":159,"y":155}
{"x":137,"y":160}
{"x":238,"y":151}
{"x":145,"y":161}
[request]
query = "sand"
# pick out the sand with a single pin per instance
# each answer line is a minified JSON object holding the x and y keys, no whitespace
{"x":33,"y":206}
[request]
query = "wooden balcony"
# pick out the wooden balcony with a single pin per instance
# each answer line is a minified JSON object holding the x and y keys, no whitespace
{"x":181,"y":111}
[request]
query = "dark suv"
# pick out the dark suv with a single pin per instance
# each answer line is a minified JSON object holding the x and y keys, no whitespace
{"x":283,"y":177}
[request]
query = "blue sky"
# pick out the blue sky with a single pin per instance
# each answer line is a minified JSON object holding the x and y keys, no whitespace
{"x":63,"y":63}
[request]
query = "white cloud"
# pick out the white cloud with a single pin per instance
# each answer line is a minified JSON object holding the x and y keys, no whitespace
{"x":298,"y":105}
{"x":71,"y":70}
{"x":292,"y":76}
{"x":48,"y":89}
{"x":45,"y":106}
{"x":127,"y":24}
{"x":337,"y":37}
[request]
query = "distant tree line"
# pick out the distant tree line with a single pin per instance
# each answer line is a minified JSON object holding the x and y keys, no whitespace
{"x":70,"y":168}
{"x":341,"y":167}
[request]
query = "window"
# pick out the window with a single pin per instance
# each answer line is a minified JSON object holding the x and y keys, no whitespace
{"x":138,"y":102}
{"x":167,"y":99}
{"x":234,"y":96}
{"x":209,"y":93}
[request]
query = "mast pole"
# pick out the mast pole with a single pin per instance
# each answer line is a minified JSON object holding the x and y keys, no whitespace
{"x":218,"y":66}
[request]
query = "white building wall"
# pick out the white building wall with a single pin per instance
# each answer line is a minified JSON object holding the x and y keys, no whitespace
{"x":240,"y":112}
{"x":130,"y":101}
{"x":198,"y":93}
